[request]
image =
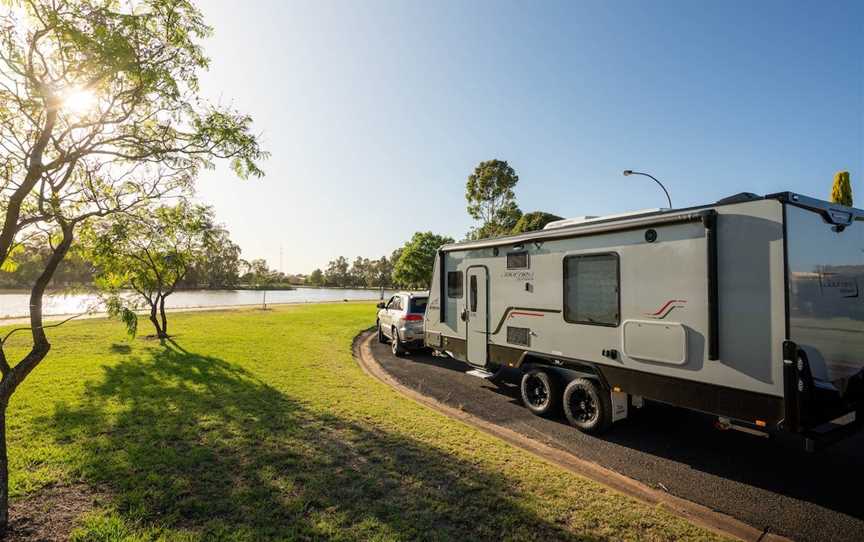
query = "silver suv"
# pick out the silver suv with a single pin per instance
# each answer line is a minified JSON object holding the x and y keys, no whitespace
{"x":400,"y":321}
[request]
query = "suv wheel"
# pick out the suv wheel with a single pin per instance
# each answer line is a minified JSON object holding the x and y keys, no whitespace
{"x":396,"y":344}
{"x":381,"y":337}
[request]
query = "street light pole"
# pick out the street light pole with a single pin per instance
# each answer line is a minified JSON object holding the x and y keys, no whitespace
{"x":628,"y":172}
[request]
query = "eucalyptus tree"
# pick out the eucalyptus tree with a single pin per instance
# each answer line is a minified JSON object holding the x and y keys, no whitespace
{"x":220,"y":266}
{"x":99,"y":113}
{"x":491,"y":200}
{"x":381,"y":273}
{"x":336,"y":273}
{"x":150,"y":251}
{"x":315,"y":278}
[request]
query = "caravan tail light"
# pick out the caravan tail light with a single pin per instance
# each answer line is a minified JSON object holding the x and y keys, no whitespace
{"x":413,"y":317}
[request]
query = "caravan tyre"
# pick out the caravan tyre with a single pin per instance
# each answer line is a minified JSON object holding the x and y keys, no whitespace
{"x":541,"y":392}
{"x":588,"y":408}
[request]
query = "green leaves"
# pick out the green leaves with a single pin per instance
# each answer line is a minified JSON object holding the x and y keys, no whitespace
{"x":534,"y":221}
{"x":413,"y":269}
{"x":149,"y":251}
{"x":109,"y":90}
{"x":228,"y":133}
{"x":10,"y":264}
{"x":489,"y":192}
{"x":117,"y":308}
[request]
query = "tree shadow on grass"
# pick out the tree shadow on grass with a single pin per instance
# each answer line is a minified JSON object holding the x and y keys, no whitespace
{"x":193,"y":442}
{"x":119,"y":348}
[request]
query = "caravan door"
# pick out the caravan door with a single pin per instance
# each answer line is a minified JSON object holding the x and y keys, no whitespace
{"x":477,"y":312}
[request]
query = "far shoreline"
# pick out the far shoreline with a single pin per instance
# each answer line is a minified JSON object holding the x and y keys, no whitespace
{"x":272,"y":288}
{"x":49,"y":318}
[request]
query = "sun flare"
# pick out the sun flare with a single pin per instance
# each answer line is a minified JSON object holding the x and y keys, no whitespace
{"x":79,"y":101}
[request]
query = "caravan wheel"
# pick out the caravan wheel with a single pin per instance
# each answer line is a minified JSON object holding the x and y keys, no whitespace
{"x":587,"y":407}
{"x":541,"y":392}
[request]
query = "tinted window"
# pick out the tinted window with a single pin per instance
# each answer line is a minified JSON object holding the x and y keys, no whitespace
{"x":517,"y":260}
{"x":418,"y":305}
{"x":454,"y":284}
{"x":591,"y":287}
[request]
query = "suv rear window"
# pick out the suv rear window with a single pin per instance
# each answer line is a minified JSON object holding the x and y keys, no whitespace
{"x":418,"y":305}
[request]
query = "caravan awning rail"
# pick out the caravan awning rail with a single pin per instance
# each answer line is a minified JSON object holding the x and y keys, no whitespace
{"x":590,"y":228}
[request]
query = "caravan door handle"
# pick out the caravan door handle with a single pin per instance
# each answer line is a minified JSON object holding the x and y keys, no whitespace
{"x":464,"y":315}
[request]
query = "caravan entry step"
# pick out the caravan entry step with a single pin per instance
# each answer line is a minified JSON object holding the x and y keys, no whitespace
{"x":480,"y":373}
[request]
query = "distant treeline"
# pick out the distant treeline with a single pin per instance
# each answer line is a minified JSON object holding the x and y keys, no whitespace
{"x":221,"y":268}
{"x":361,"y":273}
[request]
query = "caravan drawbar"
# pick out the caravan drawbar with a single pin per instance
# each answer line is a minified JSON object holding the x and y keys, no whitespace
{"x":748,"y":309}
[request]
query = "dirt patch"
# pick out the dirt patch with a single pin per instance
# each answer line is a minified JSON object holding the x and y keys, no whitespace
{"x":50,"y":514}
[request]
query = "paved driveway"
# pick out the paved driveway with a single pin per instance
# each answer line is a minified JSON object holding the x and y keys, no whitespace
{"x":762,"y":482}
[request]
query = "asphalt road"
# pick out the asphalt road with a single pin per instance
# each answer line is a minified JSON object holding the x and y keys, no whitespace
{"x":768,"y":484}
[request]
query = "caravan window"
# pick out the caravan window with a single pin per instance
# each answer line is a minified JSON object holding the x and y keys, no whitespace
{"x":591,"y":289}
{"x":473,"y":293}
{"x":454,"y":284}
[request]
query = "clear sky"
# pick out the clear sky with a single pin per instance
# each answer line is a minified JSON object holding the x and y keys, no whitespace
{"x":376,"y":112}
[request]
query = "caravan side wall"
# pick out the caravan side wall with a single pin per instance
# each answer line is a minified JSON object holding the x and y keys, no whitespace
{"x":661,"y":331}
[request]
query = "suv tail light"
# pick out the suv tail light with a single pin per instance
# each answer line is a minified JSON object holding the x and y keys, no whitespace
{"x":413,"y":317}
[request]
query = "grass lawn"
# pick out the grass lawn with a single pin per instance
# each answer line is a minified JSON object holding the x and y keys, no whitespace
{"x":259,"y":425}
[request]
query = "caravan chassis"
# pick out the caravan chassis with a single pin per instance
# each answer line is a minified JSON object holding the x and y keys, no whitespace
{"x":799,"y":412}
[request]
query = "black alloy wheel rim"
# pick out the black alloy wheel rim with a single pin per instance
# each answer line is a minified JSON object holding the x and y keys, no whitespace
{"x":537,"y":392}
{"x":583,"y":408}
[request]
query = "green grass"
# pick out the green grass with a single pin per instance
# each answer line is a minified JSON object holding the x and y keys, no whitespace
{"x":259,"y":425}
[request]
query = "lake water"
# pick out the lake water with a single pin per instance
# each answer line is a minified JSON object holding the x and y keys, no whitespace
{"x":16,"y":304}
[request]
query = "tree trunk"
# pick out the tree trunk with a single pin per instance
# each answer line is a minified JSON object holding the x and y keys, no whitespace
{"x":13,"y":376}
{"x":4,"y":473}
{"x":154,"y":307}
{"x":164,"y":318}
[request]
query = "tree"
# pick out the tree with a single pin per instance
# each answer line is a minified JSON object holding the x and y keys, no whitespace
{"x":533,"y":221}
{"x":360,"y":272}
{"x":260,"y":277}
{"x":99,"y":114}
{"x":316,"y":278}
{"x":414,"y":267}
{"x":381,"y":273}
{"x":337,"y":272}
{"x":219,"y":267}
{"x":30,"y":259}
{"x":150,"y":251}
{"x":489,"y":192}
{"x":841,"y":191}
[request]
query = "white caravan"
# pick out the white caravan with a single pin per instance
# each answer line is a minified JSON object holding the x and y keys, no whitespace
{"x":748,"y":309}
